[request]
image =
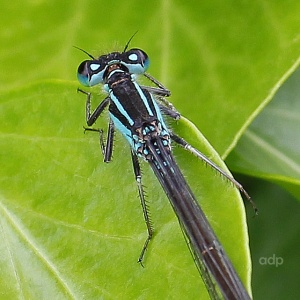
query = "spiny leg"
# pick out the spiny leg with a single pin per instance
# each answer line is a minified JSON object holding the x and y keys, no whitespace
{"x":171,"y":112}
{"x":160,"y":90}
{"x":101,"y":139}
{"x":180,"y":141}
{"x":109,"y":142}
{"x":138,"y":177}
{"x":106,"y":148}
{"x":91,"y":117}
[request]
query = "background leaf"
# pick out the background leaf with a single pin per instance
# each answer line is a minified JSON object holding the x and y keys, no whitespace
{"x":273,"y":241}
{"x":269,"y":150}
{"x":61,"y":231}
{"x":270,"y":147}
{"x":73,"y":226}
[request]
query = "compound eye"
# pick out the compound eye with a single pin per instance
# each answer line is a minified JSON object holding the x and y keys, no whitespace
{"x":83,"y":73}
{"x":90,"y":72}
{"x":137,"y":61}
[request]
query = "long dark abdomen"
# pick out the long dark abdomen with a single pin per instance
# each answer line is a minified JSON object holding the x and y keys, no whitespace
{"x":203,"y":241}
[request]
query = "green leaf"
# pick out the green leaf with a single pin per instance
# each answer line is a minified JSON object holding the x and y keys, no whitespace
{"x":73,"y":226}
{"x":269,"y":149}
{"x":65,"y":215}
{"x":219,"y":59}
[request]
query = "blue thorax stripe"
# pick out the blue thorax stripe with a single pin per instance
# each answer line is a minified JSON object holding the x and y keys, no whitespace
{"x":121,"y":108}
{"x":145,"y":100}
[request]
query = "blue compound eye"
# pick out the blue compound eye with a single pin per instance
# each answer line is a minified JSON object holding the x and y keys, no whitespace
{"x":90,"y":72}
{"x":136,"y":61}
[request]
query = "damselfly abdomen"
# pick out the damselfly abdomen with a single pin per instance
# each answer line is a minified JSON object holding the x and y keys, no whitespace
{"x":137,"y":112}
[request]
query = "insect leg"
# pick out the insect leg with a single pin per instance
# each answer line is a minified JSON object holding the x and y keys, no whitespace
{"x":138,"y":177}
{"x":180,"y":141}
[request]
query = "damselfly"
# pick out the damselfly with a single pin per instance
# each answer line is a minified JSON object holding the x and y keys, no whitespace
{"x":137,"y":112}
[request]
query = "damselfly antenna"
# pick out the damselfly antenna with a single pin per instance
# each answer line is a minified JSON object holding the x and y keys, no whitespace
{"x":90,"y":55}
{"x":127,"y":44}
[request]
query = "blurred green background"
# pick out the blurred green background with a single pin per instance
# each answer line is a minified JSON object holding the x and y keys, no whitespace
{"x":232,"y":70}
